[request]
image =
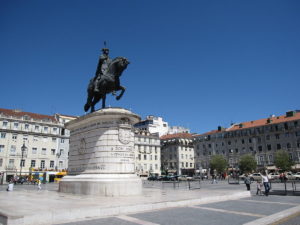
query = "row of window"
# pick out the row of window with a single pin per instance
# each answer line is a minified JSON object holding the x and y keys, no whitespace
{"x":148,"y":140}
{"x":174,"y":149}
{"x":150,"y":157}
{"x":13,"y":150}
{"x":27,"y":127}
{"x":173,"y":165}
{"x":141,"y":148}
{"x":260,"y":149}
{"x":33,"y":163}
{"x":183,"y":156}
{"x":145,"y":167}
{"x":35,"y":138}
{"x":269,"y":147}
{"x":277,"y":137}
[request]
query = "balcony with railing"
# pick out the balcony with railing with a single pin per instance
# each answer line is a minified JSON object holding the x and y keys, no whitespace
{"x":11,"y":168}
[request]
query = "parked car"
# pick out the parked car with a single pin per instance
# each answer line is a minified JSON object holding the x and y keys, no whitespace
{"x":290,"y":176}
{"x":197,"y":177}
{"x":242,"y":177}
{"x":297,"y":176}
{"x":21,"y":180}
{"x":160,"y":178}
{"x":184,"y":178}
{"x":255,"y":177}
{"x":152,"y":178}
{"x":168,"y":178}
{"x":274,"y":176}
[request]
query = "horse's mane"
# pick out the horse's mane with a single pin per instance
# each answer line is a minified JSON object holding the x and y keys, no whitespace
{"x":117,"y":59}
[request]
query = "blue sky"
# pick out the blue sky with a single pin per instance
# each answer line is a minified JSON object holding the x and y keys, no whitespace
{"x":198,"y":64}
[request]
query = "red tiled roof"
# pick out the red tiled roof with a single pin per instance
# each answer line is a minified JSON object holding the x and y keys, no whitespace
{"x":18,"y":113}
{"x":262,"y":122}
{"x":209,"y":133}
{"x":178,"y":135}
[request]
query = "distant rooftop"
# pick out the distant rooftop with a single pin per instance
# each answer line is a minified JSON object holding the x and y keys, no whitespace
{"x":19,"y":113}
{"x":177,"y":135}
{"x":289,"y":116}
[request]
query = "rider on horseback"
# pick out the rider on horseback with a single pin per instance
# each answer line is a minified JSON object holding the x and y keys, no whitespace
{"x":102,"y":67}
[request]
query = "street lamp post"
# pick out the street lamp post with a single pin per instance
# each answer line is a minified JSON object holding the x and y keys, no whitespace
{"x":23,"y":150}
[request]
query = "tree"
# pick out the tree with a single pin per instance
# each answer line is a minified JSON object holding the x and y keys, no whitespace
{"x":218,"y":163}
{"x":247,"y":164}
{"x":282,"y":160}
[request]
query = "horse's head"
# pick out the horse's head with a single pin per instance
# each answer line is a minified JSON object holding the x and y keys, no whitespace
{"x":118,"y":65}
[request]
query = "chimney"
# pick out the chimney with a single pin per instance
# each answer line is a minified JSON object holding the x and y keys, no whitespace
{"x":290,"y":113}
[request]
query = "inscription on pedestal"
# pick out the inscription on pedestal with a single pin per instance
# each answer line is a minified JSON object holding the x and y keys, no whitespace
{"x":105,"y":143}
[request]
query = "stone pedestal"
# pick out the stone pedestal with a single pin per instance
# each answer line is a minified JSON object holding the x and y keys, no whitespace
{"x":101,"y":157}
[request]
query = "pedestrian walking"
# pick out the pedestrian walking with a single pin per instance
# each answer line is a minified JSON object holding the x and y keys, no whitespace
{"x":259,"y":187}
{"x":214,"y":180}
{"x":247,"y":182}
{"x":39,"y":184}
{"x":266,"y":183}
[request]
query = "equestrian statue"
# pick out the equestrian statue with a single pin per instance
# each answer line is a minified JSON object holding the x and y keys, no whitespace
{"x":106,"y":80}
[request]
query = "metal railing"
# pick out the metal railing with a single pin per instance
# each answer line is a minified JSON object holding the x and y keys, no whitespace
{"x":284,"y":187}
{"x":188,"y":184}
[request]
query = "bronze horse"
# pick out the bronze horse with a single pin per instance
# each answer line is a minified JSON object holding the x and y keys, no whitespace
{"x":109,"y":83}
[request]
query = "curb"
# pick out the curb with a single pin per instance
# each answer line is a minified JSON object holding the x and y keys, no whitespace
{"x":275,"y":217}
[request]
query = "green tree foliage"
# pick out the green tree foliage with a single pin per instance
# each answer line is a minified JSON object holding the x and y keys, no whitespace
{"x":282,"y":160}
{"x":218,"y":163}
{"x":247,"y":164}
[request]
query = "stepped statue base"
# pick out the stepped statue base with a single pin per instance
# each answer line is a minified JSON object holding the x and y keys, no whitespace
{"x":101,"y":157}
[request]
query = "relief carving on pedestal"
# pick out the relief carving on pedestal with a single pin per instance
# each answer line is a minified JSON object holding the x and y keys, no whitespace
{"x":82,"y":147}
{"x":124,"y":135}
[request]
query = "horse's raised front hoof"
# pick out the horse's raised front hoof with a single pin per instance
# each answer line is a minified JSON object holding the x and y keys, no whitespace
{"x":118,"y":97}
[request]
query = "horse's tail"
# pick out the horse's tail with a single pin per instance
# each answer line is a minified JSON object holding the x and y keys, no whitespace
{"x":90,"y":90}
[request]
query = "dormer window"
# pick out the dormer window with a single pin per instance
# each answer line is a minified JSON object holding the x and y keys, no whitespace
{"x":26,"y":117}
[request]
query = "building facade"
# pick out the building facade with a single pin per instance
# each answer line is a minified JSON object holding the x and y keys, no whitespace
{"x":153,"y":124}
{"x":260,"y":138}
{"x":45,"y":144}
{"x":147,"y":153}
{"x":63,"y":142}
{"x":178,"y":129}
{"x":177,"y":154}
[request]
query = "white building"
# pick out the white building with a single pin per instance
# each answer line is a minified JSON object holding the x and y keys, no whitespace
{"x":63,"y":145}
{"x":177,"y":154}
{"x":45,"y":140}
{"x":147,"y":153}
{"x":178,"y":129}
{"x":153,"y":125}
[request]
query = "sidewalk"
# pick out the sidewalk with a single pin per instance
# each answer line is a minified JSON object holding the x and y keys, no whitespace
{"x":49,"y":206}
